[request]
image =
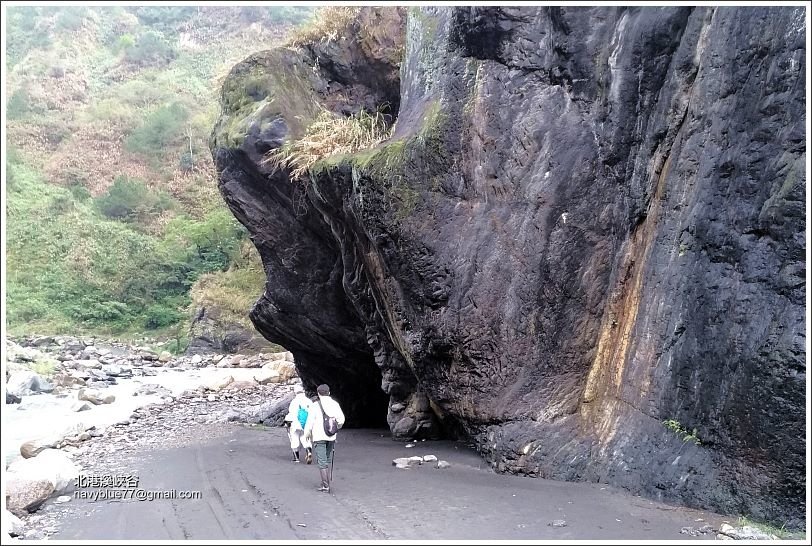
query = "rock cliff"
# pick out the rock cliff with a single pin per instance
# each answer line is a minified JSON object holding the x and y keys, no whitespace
{"x":587,"y":223}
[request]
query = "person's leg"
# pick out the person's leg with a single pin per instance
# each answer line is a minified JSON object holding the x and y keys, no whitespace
{"x":294,"y":443}
{"x":320,"y":448}
{"x":295,"y":440}
{"x":329,"y":450}
{"x":308,"y":449}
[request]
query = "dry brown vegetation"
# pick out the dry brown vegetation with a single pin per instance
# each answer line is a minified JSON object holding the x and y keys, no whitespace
{"x":328,"y":24}
{"x":329,"y":134}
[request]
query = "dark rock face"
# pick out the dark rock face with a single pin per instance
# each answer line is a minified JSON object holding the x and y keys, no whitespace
{"x":586,"y":222}
{"x":209,"y":332}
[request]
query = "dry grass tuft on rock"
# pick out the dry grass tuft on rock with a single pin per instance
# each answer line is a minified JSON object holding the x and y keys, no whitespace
{"x":329,"y":134}
{"x":328,"y":24}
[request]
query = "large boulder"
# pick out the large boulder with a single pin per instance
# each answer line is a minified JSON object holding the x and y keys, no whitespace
{"x":24,"y":495}
{"x":13,"y":525}
{"x":12,"y":398}
{"x":23,"y":382}
{"x":90,"y":395}
{"x":212,"y":331}
{"x":30,"y":481}
{"x":272,"y":413}
{"x":265,"y":376}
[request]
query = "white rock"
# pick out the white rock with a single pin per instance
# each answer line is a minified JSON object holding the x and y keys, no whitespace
{"x":443,"y":464}
{"x":90,"y":395}
{"x":225,"y":362}
{"x":416,"y":460}
{"x":33,"y":447}
{"x":24,"y":494}
{"x":265,"y":376}
{"x":429,"y":458}
{"x":14,"y":525}
{"x":197,"y":359}
{"x":30,"y":481}
{"x":286,"y":370}
{"x":62,"y":499}
{"x":86,"y":364}
{"x":274,"y":356}
{"x":165,"y":356}
{"x":211,"y":398}
{"x":49,"y":440}
{"x":401,"y":462}
{"x":23,"y":382}
{"x":112,"y":369}
{"x":220,"y":383}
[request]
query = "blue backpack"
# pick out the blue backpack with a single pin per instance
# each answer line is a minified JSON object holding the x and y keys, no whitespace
{"x":302,"y":416}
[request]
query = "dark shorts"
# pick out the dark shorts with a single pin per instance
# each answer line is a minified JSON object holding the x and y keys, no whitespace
{"x":324,"y":453}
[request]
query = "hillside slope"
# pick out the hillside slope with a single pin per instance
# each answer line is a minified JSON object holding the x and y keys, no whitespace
{"x":112,"y":204}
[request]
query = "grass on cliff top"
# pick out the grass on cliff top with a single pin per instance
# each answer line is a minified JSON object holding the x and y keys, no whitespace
{"x":328,"y":24}
{"x":329,"y":135}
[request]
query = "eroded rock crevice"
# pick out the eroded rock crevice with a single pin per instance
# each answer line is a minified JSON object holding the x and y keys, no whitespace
{"x":585,"y":222}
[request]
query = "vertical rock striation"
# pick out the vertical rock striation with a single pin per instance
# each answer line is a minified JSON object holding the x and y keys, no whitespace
{"x":586,"y":222}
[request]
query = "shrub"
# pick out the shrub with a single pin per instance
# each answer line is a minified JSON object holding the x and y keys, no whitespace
{"x":70,"y":19}
{"x":165,"y":16}
{"x":111,"y":111}
{"x":160,"y":316}
{"x":150,"y":48}
{"x":18,"y":104}
{"x":139,"y":93}
{"x":125,"y":42}
{"x":161,"y":128}
{"x":677,"y":428}
{"x":187,"y":162}
{"x":211,"y":242}
{"x":79,"y":192}
{"x":22,"y":34}
{"x":129,"y":199}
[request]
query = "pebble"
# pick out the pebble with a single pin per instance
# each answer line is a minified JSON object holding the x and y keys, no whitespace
{"x":558,"y":523}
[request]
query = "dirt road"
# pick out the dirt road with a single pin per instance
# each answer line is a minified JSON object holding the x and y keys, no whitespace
{"x":250,"y":490}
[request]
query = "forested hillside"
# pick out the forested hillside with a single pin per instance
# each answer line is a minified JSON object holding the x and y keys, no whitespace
{"x":114,"y":222}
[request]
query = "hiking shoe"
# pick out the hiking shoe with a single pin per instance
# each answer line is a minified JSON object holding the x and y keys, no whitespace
{"x":309,"y":458}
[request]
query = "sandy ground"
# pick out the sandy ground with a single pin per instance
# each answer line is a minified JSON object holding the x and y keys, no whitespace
{"x":251,"y":490}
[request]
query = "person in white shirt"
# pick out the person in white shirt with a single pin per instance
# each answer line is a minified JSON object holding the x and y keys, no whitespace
{"x":323,"y":442}
{"x":295,"y":420}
